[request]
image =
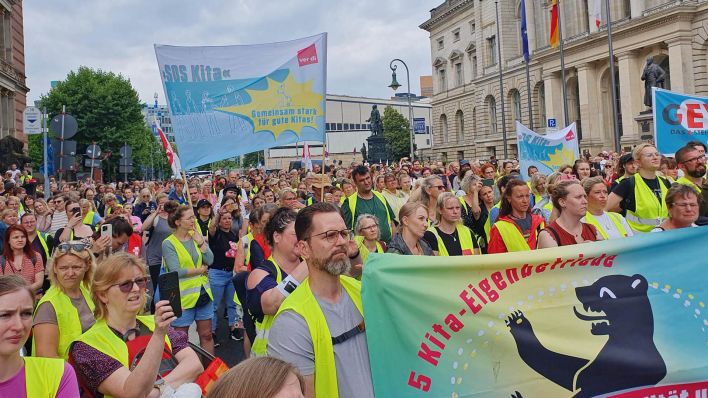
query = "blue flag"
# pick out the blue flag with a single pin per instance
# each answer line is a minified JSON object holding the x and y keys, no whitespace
{"x":524,"y":34}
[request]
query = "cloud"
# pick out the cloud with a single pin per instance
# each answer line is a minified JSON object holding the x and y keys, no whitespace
{"x":118,"y":36}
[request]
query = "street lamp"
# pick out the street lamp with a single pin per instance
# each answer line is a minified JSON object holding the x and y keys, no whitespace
{"x":395,"y":85}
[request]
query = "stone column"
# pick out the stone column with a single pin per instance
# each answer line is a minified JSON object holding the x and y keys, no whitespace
{"x":636,"y":8}
{"x":589,"y":105}
{"x":631,"y":94}
{"x":681,"y":64}
{"x":531,"y":26}
{"x":554,"y":97}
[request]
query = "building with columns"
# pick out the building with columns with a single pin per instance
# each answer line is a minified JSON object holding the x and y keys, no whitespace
{"x":467,"y":101}
{"x":13,"y":91}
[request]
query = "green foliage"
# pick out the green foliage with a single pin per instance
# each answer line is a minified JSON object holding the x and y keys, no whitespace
{"x":397,"y":133}
{"x":252,"y":159}
{"x":108,"y":112}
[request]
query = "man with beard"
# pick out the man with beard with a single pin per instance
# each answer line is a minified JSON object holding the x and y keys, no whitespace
{"x":692,"y":161}
{"x":319,"y":327}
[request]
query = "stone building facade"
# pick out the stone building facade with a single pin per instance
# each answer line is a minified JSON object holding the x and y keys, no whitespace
{"x":13,"y":91}
{"x":467,"y":100}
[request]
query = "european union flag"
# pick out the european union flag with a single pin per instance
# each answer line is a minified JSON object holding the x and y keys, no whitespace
{"x":524,"y":35}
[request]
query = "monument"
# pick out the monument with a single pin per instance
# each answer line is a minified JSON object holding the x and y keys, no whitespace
{"x":652,"y":76}
{"x":376,"y":142}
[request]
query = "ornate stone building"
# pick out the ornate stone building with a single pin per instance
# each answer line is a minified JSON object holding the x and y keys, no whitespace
{"x":467,"y":98}
{"x":13,"y":91}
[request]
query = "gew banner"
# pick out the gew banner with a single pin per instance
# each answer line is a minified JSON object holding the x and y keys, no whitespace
{"x":229,"y":100}
{"x":619,"y":318}
{"x":547,"y":152}
{"x":678,"y":119}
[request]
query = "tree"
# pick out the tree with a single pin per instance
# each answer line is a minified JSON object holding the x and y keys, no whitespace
{"x":108,"y":112}
{"x":397,"y":133}
{"x":253,"y":159}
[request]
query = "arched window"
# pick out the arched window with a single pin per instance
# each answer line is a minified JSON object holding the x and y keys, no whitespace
{"x":460,"y":125}
{"x":515,"y":98}
{"x":443,"y":128}
{"x":492,"y":114}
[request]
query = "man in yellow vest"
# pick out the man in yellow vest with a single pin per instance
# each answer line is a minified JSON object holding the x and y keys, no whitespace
{"x":320,"y":327}
{"x":692,"y":161}
{"x":368,"y":201}
{"x":643,"y":195}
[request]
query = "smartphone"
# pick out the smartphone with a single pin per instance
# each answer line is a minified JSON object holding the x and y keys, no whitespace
{"x":168,"y":284}
{"x":488,"y":182}
{"x":107,"y":230}
{"x":75,"y":211}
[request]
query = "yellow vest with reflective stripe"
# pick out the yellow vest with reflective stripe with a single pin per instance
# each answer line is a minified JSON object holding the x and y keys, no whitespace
{"x":43,"y":242}
{"x":649,"y":212}
{"x":686,"y":181}
{"x":363,"y":250}
{"x":102,"y":338}
{"x":88,"y":218}
{"x":488,"y":224}
{"x":466,"y":240}
{"x":43,"y":376}
{"x":68,"y":321}
{"x":510,"y":234}
{"x":260,"y":344}
{"x":614,"y":217}
{"x":303,"y":303}
{"x":352,"y":205}
{"x":189,"y":286}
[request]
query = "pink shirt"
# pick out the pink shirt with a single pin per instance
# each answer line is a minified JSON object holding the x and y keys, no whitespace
{"x":15,"y":386}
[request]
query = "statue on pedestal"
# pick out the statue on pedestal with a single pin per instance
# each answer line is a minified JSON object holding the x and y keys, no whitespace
{"x":375,"y":120}
{"x":653,"y":76}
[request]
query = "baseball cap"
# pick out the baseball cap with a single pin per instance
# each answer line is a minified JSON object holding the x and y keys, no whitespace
{"x":626,"y":158}
{"x":464,"y":162}
{"x":202,"y":203}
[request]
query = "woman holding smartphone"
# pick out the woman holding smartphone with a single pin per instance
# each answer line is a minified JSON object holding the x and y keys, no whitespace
{"x":155,"y":230}
{"x":75,"y":229}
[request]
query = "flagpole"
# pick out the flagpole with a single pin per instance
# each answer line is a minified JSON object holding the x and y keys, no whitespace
{"x":501,"y":81}
{"x":615,"y":111}
{"x":322,"y":171}
{"x":562,"y":59}
{"x":527,"y":56}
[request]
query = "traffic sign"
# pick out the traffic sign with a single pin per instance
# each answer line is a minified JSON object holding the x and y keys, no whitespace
{"x":126,"y":151}
{"x":125,"y":169}
{"x":125,"y":161}
{"x":70,"y":126}
{"x":552,"y":123}
{"x":67,"y":163}
{"x":93,"y":151}
{"x":92,"y":162}
{"x":69,"y":147}
{"x":32,"y":120}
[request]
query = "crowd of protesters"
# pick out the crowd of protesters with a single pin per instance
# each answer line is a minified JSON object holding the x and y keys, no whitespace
{"x":284,"y":252}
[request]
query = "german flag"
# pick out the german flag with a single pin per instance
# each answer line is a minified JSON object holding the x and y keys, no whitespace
{"x":555,"y":33}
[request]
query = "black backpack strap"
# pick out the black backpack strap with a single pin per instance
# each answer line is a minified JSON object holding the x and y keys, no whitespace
{"x":553,"y":233}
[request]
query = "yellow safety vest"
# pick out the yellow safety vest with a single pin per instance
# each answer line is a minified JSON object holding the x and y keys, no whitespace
{"x":649,"y":211}
{"x":686,"y":181}
{"x":487,"y":223}
{"x":43,"y":242}
{"x":614,"y":217}
{"x":363,"y":250}
{"x":103,"y":339}
{"x":513,"y":240}
{"x":352,"y":205}
{"x":260,"y":344}
{"x":68,"y":321}
{"x":466,"y":240}
{"x":43,"y":376}
{"x":190,"y":286}
{"x":303,"y":303}
{"x":88,"y":218}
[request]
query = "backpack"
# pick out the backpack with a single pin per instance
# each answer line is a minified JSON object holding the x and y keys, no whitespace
{"x":3,"y":262}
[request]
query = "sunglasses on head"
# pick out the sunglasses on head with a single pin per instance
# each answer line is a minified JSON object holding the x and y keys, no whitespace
{"x":127,"y":286}
{"x":74,"y":245}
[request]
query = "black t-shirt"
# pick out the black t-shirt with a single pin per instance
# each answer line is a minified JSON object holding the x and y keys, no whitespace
{"x":451,"y":241}
{"x":219,"y":245}
{"x":625,"y":189}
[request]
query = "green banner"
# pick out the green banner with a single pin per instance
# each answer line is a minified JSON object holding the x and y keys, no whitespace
{"x":624,"y":317}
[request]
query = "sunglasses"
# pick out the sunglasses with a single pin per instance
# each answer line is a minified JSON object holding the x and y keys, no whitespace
{"x":127,"y":286}
{"x":76,"y":246}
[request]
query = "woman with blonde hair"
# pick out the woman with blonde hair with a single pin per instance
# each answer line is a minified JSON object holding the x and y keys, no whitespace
{"x":264,"y":377}
{"x":570,"y":199}
{"x":66,"y":310}
{"x":27,"y":376}
{"x":409,"y":238}
{"x":159,"y":359}
{"x":44,"y":216}
{"x":430,"y":188}
{"x":609,"y":225}
{"x":450,"y":237}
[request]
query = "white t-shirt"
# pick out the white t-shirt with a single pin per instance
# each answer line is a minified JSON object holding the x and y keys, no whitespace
{"x":609,"y":226}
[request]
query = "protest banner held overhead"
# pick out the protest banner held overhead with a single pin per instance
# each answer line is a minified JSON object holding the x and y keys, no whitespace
{"x":616,"y":318}
{"x":546,"y":152}
{"x":678,"y":119}
{"x":229,"y":100}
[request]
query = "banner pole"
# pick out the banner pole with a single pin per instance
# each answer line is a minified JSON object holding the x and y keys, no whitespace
{"x":562,"y":61}
{"x":613,"y":82}
{"x":322,"y":171}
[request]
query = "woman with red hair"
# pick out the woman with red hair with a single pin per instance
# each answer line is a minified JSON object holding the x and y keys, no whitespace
{"x":18,"y":258}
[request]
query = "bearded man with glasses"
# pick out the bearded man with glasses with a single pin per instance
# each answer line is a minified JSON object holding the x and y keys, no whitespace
{"x":320,"y":327}
{"x":692,"y":161}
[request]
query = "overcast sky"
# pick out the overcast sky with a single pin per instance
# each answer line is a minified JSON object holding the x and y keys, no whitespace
{"x":118,"y":35}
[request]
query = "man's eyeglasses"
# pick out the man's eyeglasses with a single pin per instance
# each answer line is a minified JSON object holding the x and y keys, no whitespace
{"x":702,"y":157}
{"x":76,"y":246}
{"x":331,"y":236}
{"x":127,"y":286}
